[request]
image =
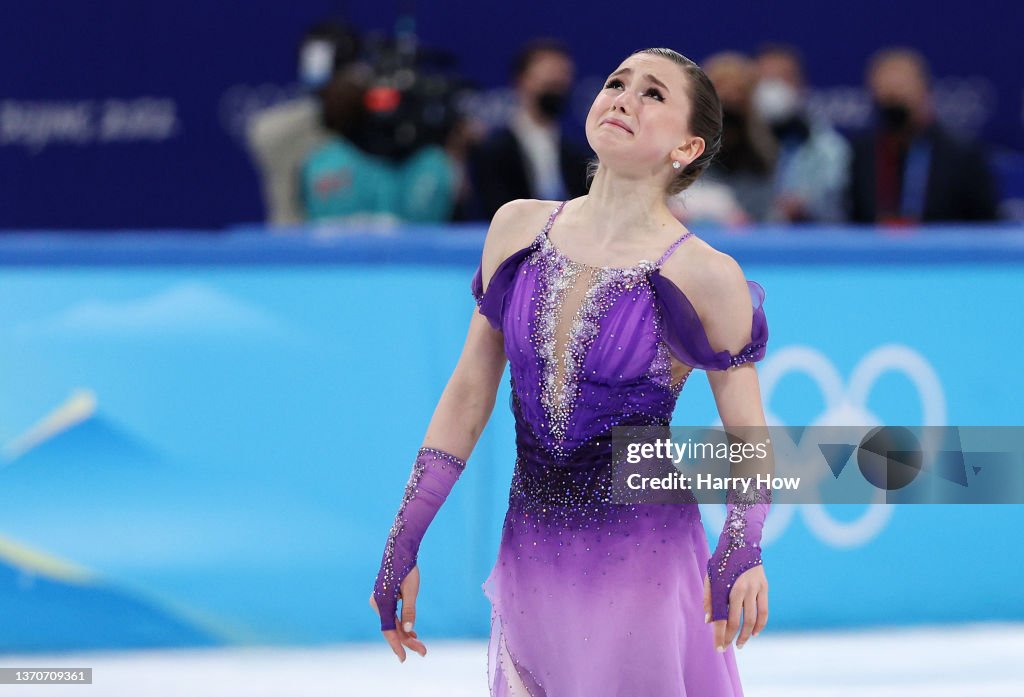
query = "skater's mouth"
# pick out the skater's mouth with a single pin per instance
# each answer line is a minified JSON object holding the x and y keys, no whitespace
{"x":616,"y":122}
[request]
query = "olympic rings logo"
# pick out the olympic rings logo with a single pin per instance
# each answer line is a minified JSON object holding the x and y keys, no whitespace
{"x":845,"y":405}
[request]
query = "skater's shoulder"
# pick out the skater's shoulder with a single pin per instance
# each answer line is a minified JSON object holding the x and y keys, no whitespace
{"x":516,"y":224}
{"x":522,"y":214}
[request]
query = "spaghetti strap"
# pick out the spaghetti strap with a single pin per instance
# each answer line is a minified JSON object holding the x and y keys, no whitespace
{"x":558,"y":209}
{"x":551,"y":218}
{"x":668,"y":252}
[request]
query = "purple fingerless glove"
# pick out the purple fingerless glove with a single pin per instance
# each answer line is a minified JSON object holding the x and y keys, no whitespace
{"x":434,"y":473}
{"x":739,"y":545}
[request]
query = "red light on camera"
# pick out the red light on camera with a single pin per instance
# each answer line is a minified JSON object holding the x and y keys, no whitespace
{"x":382,"y":99}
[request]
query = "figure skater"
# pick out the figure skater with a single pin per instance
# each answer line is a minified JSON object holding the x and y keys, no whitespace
{"x":590,"y":596}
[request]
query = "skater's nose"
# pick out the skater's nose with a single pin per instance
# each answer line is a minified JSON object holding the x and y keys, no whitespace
{"x":623,"y":101}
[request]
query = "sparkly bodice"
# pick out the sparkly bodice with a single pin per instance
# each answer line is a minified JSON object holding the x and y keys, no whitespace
{"x":591,"y":347}
{"x":567,"y":323}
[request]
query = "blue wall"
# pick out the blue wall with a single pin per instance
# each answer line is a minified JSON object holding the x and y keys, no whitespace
{"x":233,"y":417}
{"x":189,"y":72}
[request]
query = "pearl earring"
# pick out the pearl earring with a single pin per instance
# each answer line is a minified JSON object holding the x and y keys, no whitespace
{"x":675,"y":164}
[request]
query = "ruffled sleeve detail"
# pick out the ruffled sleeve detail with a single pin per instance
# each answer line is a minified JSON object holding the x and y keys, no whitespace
{"x":476,"y":287}
{"x":685,"y":335}
{"x":491,"y":302}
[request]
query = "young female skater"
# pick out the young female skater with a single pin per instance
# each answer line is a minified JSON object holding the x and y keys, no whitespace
{"x":590,"y":596}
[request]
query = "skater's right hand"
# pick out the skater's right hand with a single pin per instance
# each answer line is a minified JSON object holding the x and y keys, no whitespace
{"x":400,"y":637}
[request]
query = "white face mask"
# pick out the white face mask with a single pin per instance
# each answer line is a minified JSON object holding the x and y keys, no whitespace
{"x":316,"y":62}
{"x":776,"y":100}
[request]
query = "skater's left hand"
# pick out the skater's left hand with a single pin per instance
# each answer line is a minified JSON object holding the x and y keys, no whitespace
{"x":399,"y":638}
{"x":749,"y":595}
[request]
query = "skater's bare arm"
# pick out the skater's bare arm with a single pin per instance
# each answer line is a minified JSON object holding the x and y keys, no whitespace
{"x":461,"y":413}
{"x":468,"y":399}
{"x":738,"y":398}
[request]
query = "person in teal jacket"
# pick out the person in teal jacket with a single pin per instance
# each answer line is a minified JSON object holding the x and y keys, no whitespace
{"x":338,"y":179}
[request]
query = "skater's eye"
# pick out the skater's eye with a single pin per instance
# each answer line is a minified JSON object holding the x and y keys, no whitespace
{"x":652,"y":92}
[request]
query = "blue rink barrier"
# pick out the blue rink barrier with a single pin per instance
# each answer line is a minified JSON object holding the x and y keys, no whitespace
{"x":205,"y":436}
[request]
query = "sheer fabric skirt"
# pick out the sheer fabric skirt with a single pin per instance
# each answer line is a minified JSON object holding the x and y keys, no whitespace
{"x":603,"y":602}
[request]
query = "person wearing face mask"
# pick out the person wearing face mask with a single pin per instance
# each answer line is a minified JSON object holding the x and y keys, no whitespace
{"x":910,"y":169}
{"x":528,"y":157}
{"x":738,"y":187}
{"x":280,"y":137}
{"x":814,"y":160}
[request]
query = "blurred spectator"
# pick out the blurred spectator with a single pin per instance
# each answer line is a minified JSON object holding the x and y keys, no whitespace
{"x":342,"y":179}
{"x":909,"y":168}
{"x":737,"y":186}
{"x":528,"y":157}
{"x":814,"y":160}
{"x":281,"y":137}
{"x":375,"y":137}
{"x":468,"y":132}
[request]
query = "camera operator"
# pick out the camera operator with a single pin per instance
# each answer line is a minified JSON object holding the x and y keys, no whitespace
{"x":280,"y":137}
{"x":390,"y":122}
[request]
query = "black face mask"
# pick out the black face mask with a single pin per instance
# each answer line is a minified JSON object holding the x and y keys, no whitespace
{"x":893,"y":116}
{"x":794,"y":128}
{"x":551,"y":104}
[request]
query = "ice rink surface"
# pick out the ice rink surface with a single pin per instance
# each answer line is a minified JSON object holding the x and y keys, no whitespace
{"x":973,"y":660}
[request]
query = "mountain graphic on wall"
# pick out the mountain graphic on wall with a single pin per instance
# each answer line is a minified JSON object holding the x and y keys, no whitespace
{"x":70,"y":466}
{"x":50,"y":605}
{"x":75,"y":431}
{"x":76,"y":449}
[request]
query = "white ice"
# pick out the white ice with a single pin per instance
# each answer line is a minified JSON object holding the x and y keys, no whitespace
{"x":976,"y":660}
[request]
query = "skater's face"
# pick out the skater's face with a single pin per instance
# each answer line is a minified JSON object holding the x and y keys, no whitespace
{"x":639,"y":122}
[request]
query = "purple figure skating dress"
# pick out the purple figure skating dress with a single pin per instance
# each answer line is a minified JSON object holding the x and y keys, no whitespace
{"x":592,"y":598}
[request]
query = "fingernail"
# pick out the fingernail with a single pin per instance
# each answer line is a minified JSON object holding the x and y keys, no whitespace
{"x":707,"y":617}
{"x":720,"y":649}
{"x":739,"y":646}
{"x":408,"y":626}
